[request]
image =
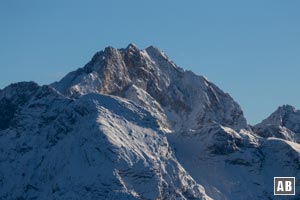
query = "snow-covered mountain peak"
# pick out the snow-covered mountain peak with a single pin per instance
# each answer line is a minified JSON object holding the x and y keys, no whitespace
{"x":283,"y":123}
{"x":156,"y":52}
{"x":285,"y":115}
{"x":21,"y":88}
{"x":186,"y":99}
{"x":93,"y":147}
{"x":131,"y":124}
{"x":285,"y":110}
{"x":132,"y":47}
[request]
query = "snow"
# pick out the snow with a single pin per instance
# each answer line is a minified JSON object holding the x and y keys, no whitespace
{"x":97,"y":146}
{"x":283,"y":123}
{"x":187,"y":100}
{"x":131,"y":124}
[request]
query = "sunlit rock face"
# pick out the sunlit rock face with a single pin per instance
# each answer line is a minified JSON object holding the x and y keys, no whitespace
{"x":131,"y":124}
{"x":180,"y":98}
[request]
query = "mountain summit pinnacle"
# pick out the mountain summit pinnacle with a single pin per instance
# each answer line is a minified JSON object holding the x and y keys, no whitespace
{"x":182,"y":99}
{"x":283,"y":123}
{"x":131,"y":124}
{"x":132,"y":46}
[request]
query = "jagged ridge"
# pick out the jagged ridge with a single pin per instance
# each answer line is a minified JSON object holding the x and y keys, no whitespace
{"x":188,"y":101}
{"x":96,"y":146}
{"x":131,"y":124}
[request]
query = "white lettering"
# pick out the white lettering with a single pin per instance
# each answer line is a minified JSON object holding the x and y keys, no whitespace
{"x":288,"y":186}
{"x":280,"y":187}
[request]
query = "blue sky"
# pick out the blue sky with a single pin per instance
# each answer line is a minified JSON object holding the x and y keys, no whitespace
{"x":250,"y":49}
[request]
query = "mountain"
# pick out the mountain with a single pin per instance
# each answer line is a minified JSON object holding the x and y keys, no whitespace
{"x":283,"y":123}
{"x":131,"y":124}
{"x":149,"y":78}
{"x":94,"y":147}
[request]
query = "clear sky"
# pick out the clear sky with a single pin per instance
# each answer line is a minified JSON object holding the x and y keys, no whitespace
{"x":250,"y":49}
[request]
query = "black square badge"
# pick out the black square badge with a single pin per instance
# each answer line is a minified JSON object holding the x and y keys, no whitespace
{"x":284,"y":185}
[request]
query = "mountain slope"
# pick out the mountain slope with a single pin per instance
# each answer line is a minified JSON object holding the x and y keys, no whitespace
{"x":131,"y":124}
{"x":93,"y":147}
{"x":207,"y":129}
{"x":189,"y":101}
{"x":283,"y":123}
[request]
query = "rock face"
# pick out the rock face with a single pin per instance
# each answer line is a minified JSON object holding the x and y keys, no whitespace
{"x":150,"y":79}
{"x":94,"y":147}
{"x":131,"y":124}
{"x":283,"y":123}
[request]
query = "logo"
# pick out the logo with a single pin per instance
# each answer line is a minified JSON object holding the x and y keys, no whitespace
{"x":284,"y":185}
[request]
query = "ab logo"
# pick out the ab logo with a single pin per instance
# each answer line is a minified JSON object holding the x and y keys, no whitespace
{"x":284,"y":185}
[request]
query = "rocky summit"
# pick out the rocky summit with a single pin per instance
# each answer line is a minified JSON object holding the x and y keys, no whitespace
{"x":131,"y":124}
